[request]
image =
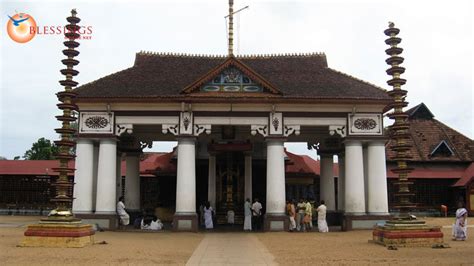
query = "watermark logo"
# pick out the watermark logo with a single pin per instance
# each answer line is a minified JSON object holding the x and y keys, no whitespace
{"x":18,"y":27}
{"x":22,"y":28}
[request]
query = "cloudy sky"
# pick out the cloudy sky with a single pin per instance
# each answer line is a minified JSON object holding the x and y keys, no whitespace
{"x":437,"y":38}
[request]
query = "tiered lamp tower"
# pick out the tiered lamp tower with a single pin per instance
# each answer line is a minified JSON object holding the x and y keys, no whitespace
{"x":399,"y":131}
{"x":61,"y":228}
{"x":404,"y":230}
{"x":63,"y":200}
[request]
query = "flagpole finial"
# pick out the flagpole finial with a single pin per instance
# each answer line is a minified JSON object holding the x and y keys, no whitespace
{"x":231,"y":28}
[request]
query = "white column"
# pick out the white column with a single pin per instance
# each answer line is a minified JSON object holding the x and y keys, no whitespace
{"x":107,"y":177}
{"x":132,"y":181}
{"x":84,"y":177}
{"x":275,"y":177}
{"x":327,"y":182}
{"x":366,"y":168}
{"x":211,"y":185}
{"x":248,"y":177}
{"x":377,"y":179}
{"x":186,"y":177}
{"x":354,"y":169}
{"x":118,"y":173}
{"x":94,"y":182}
{"x":341,"y":183}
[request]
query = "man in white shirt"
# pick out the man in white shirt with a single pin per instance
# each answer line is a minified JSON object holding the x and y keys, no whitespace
{"x":124,"y":217}
{"x":322,"y":224}
{"x":256,"y":214}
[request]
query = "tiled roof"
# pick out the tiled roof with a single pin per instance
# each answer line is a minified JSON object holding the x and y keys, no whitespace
{"x":303,"y":164}
{"x":466,"y":177}
{"x":427,"y":134}
{"x":166,"y":75}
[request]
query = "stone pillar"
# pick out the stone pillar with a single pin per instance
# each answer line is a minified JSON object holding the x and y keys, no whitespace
{"x":248,"y":177}
{"x":107,"y":177}
{"x":327,"y":192}
{"x":96,"y":167}
{"x":84,"y":177}
{"x":275,"y":217}
{"x":132,"y":181}
{"x":366,"y":168}
{"x":377,"y":179}
{"x":341,"y":183}
{"x":118,"y":172}
{"x":185,"y":218}
{"x":354,"y":170}
{"x":211,"y":186}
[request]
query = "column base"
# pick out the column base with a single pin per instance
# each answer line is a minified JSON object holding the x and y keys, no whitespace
{"x":185,"y":222}
{"x":275,"y":222}
{"x":354,"y":222}
{"x":104,"y":221}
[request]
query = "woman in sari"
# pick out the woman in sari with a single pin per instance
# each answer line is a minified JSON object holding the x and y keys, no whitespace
{"x":460,"y":227}
{"x":208,"y":213}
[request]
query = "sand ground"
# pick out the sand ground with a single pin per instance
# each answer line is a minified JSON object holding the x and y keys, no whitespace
{"x":139,"y":248}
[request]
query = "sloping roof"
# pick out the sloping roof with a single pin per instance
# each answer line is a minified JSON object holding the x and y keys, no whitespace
{"x":165,"y":76}
{"x":303,"y":164}
{"x":466,"y":177}
{"x":30,"y":167}
{"x":420,"y":172}
{"x":427,"y":134}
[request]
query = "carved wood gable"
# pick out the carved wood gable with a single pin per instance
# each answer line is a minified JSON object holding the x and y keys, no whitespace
{"x":232,"y":76}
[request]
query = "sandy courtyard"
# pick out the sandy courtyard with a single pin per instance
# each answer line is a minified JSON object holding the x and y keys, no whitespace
{"x":138,"y":248}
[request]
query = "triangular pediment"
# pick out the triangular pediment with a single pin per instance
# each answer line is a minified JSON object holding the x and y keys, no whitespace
{"x":442,"y":150}
{"x":231,"y":76}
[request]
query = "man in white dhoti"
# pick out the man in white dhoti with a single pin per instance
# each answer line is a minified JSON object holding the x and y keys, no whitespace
{"x":124,"y":217}
{"x":460,"y":227}
{"x":322,"y":224}
{"x":208,"y":214}
{"x":247,"y":215}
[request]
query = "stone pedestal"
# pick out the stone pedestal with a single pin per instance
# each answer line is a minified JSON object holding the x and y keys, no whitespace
{"x":65,"y":234}
{"x":185,"y":222}
{"x":275,"y":222}
{"x":407,"y":233}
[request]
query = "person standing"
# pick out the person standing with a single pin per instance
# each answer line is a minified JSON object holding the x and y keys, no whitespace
{"x":208,"y":214}
{"x":290,"y":208}
{"x":308,"y":215}
{"x":122,"y":213}
{"x":322,"y":224}
{"x":460,"y":227}
{"x":301,"y":206}
{"x":256,"y":214}
{"x":247,"y":215}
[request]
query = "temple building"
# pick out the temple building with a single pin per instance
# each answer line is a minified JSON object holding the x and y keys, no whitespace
{"x":442,"y":159}
{"x":231,"y":116}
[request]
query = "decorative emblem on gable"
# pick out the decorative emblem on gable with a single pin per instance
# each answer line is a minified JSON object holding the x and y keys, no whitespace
{"x":96,"y":123}
{"x":232,"y":80}
{"x":365,"y":124}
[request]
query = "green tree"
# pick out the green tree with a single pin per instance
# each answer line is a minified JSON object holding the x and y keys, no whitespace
{"x":43,"y":149}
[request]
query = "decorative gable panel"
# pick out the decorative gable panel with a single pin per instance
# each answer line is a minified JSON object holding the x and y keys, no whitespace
{"x":232,"y":80}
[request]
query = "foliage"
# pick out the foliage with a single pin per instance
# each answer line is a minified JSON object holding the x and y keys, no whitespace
{"x":43,"y":149}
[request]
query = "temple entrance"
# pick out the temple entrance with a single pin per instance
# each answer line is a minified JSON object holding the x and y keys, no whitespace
{"x":230,"y":186}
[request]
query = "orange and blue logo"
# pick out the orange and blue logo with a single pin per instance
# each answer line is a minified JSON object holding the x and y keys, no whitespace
{"x":18,"y":27}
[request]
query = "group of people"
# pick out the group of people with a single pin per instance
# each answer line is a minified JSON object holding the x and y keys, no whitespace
{"x":301,"y":216}
{"x":146,"y":221}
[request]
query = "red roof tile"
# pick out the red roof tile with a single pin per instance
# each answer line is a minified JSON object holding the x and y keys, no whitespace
{"x":165,"y":76}
{"x":427,"y":133}
{"x":466,"y":177}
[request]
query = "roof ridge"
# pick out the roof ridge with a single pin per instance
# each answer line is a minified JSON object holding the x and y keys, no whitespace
{"x":363,"y":81}
{"x":242,"y":56}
